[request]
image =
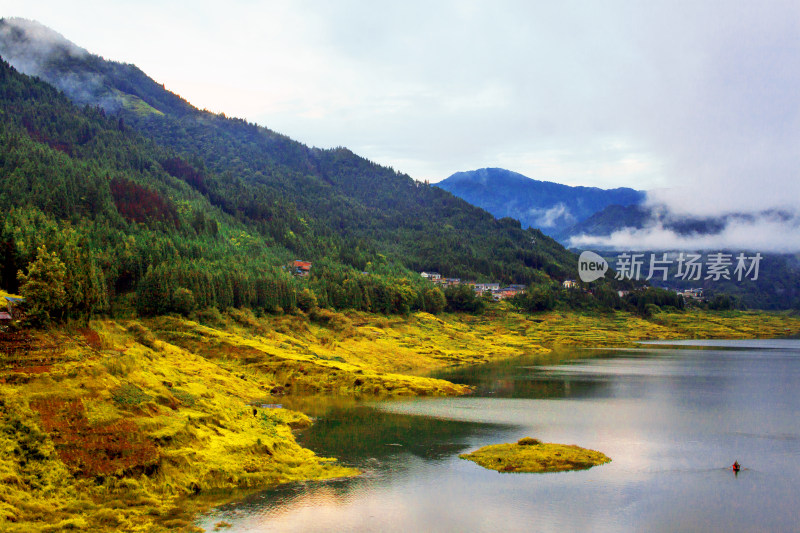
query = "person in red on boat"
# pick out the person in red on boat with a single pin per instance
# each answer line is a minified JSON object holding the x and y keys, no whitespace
{"x":735,"y":466}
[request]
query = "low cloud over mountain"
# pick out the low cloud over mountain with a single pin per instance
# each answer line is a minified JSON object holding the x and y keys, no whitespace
{"x":772,"y":231}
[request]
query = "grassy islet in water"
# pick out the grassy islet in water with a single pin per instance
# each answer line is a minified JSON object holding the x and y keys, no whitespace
{"x":532,"y":455}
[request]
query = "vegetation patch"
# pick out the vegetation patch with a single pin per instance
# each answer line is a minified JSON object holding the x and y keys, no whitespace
{"x":532,"y":455}
{"x":186,"y":399}
{"x":129,"y":395}
{"x":94,"y":450}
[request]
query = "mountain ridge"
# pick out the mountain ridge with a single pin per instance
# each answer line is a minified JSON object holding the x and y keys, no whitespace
{"x":546,"y":205}
{"x":37,"y":50}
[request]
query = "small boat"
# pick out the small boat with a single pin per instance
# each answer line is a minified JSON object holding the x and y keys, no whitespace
{"x":735,"y":467}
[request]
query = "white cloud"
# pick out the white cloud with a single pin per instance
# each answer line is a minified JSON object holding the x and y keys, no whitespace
{"x":559,"y":214}
{"x":760,"y":233}
{"x":27,"y":56}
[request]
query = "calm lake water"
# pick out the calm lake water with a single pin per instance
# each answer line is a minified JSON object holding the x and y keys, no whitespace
{"x":672,"y":419}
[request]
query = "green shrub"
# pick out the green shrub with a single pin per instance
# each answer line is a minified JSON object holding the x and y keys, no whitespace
{"x":183,"y":301}
{"x":210,"y":317}
{"x":306,"y":300}
{"x":187,"y":399}
{"x":130,"y":395}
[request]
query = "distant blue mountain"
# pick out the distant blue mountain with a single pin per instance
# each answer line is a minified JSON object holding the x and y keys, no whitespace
{"x":551,"y":207}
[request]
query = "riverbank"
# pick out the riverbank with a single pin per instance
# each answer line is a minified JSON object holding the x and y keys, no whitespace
{"x":111,"y":426}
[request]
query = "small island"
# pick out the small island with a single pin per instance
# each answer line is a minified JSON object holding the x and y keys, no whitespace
{"x":533,"y":455}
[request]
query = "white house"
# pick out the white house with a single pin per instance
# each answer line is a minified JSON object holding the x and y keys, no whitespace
{"x":483,"y":287}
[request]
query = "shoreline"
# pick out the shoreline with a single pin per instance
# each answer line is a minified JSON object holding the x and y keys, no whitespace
{"x":174,"y":395}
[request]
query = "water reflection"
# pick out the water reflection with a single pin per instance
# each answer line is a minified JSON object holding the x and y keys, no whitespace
{"x":525,"y":377}
{"x":360,"y":435}
{"x":672,"y":420}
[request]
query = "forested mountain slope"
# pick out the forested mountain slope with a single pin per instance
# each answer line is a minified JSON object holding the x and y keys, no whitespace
{"x":96,"y":193}
{"x":261,"y":176}
{"x":139,"y":193}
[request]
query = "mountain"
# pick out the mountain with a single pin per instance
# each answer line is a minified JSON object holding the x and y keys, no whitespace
{"x":548,"y":206}
{"x":80,"y":185}
{"x":182,"y":207}
{"x":152,"y":199}
{"x":262,"y":175}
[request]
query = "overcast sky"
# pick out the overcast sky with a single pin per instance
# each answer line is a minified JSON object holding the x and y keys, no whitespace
{"x":699,"y":100}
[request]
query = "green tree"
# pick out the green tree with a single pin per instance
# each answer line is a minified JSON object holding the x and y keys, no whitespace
{"x":463,"y":298}
{"x":403,"y":296}
{"x":183,"y":301}
{"x":536,"y":298}
{"x":44,"y":287}
{"x":607,"y":298}
{"x":434,"y":300}
{"x":306,"y":300}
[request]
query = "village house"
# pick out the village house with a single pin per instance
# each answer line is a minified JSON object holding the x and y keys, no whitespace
{"x":507,"y":292}
{"x":570,"y":284}
{"x":15,"y":307}
{"x":15,"y":312}
{"x":480,"y":288}
{"x":301,"y":268}
{"x":432,"y":276}
{"x":695,"y":294}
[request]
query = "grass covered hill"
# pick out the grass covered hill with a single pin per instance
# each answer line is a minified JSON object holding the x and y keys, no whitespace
{"x":316,"y":203}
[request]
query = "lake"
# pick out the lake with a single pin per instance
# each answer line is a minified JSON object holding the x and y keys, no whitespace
{"x":673,"y":418}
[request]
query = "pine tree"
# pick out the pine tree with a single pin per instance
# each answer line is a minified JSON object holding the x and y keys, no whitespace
{"x":44,"y":287}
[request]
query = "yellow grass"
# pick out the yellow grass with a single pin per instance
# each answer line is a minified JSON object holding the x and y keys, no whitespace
{"x":4,"y":294}
{"x":188,"y":387}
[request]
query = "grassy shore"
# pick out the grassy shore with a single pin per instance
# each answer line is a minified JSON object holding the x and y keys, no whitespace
{"x":115,"y":425}
{"x":532,"y":456}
